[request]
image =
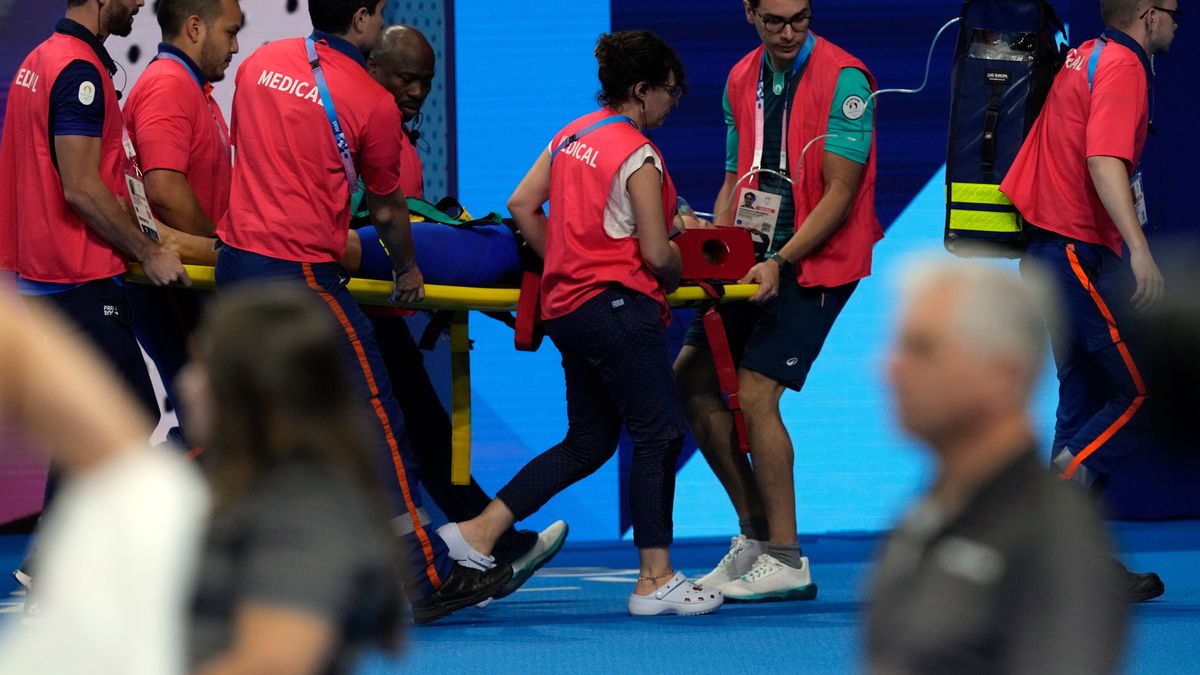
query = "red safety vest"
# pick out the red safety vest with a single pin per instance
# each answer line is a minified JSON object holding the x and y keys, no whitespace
{"x":582,"y":260}
{"x":41,"y":237}
{"x":846,"y":255}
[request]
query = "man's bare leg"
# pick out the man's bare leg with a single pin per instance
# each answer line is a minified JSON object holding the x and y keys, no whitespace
{"x":712,"y":426}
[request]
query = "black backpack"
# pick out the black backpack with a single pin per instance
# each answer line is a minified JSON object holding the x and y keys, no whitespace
{"x":1008,"y":54}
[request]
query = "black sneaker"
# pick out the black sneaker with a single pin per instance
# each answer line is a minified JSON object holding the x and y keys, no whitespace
{"x":463,"y":588}
{"x":1140,"y":587}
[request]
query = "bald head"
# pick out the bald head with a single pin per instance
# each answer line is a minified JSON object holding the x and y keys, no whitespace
{"x":403,"y":62}
{"x":403,"y":43}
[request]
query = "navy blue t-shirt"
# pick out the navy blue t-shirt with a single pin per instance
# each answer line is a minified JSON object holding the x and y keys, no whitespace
{"x":77,"y":102}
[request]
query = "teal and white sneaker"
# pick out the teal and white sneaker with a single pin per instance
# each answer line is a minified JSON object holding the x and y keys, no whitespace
{"x":770,"y":580}
{"x":549,"y":543}
{"x":743,"y":551}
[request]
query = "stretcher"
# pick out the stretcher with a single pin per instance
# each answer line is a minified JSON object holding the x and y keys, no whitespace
{"x":460,"y":300}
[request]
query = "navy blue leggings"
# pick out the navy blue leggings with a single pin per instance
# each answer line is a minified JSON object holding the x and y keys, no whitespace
{"x":614,"y":357}
{"x":428,"y":561}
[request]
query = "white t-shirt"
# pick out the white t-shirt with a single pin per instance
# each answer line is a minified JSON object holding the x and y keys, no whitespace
{"x":619,"y":221}
{"x":116,"y":560}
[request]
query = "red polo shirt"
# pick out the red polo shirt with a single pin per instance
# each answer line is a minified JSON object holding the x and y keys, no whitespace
{"x":1049,"y":181}
{"x":290,"y":199}
{"x":175,"y":125}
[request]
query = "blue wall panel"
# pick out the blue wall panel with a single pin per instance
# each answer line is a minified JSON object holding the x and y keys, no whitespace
{"x":854,"y":468}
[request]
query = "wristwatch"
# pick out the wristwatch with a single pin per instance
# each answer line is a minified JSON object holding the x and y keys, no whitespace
{"x":779,"y":260}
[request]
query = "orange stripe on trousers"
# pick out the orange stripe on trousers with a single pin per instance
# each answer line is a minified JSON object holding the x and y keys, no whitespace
{"x":1125,"y":356}
{"x":397,"y":462}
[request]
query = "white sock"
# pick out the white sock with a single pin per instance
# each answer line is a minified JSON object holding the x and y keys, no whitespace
{"x":461,"y":552}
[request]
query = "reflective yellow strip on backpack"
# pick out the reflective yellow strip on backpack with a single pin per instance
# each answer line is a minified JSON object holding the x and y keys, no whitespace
{"x":978,"y":193}
{"x":984,"y":221}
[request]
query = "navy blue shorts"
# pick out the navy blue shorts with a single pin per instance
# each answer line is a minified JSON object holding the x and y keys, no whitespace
{"x":782,"y":338}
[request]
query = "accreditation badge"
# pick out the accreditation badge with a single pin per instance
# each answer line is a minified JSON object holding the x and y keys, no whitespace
{"x":141,"y":205}
{"x":758,"y":212}
{"x":1139,"y":199}
{"x":136,"y":189}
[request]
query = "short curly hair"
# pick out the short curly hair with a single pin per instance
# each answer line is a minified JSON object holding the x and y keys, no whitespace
{"x":628,"y":57}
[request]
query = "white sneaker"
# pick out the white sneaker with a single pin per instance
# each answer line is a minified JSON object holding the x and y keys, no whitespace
{"x":740,"y":558}
{"x":24,"y":579}
{"x":771,"y":580}
{"x":463,"y":554}
{"x":677,"y":596}
{"x":549,"y":543}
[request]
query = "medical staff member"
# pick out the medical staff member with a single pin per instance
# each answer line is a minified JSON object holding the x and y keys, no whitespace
{"x":403,"y":62}
{"x":1076,"y":182}
{"x":65,"y":226}
{"x":307,"y":120}
{"x":609,"y":265}
{"x":799,"y":109}
{"x":183,"y":142}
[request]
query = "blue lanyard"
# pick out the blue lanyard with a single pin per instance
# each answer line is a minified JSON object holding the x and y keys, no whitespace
{"x":339,"y":136}
{"x":220,"y":132}
{"x":801,"y":60}
{"x":1113,"y":35}
{"x":587,"y":130}
{"x":171,"y":57}
{"x":759,"y":105}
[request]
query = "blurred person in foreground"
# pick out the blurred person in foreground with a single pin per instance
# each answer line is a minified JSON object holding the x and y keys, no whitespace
{"x":119,"y":543}
{"x":300,"y":572}
{"x":1002,"y":567}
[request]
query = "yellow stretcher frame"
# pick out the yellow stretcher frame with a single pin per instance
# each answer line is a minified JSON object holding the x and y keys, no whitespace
{"x":461,"y":299}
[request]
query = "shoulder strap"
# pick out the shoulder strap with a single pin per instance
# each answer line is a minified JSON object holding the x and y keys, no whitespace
{"x":339,"y":136}
{"x":587,"y":130}
{"x":1094,"y":61}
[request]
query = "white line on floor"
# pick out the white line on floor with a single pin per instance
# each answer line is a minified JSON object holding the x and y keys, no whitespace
{"x":583,"y":571}
{"x":545,"y":589}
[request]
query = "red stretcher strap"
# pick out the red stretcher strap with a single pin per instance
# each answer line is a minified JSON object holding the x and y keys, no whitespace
{"x":718,"y":346}
{"x":528,"y":332}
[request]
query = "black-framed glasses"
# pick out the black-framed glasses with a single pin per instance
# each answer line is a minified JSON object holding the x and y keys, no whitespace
{"x":1173,"y":13}
{"x":775,"y":24}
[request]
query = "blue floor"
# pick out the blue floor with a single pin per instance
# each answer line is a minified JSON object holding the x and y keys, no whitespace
{"x":571,"y":616}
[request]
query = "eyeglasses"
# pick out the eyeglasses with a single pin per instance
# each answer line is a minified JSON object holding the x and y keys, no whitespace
{"x":1173,"y":13}
{"x":675,"y":91}
{"x":775,"y":24}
